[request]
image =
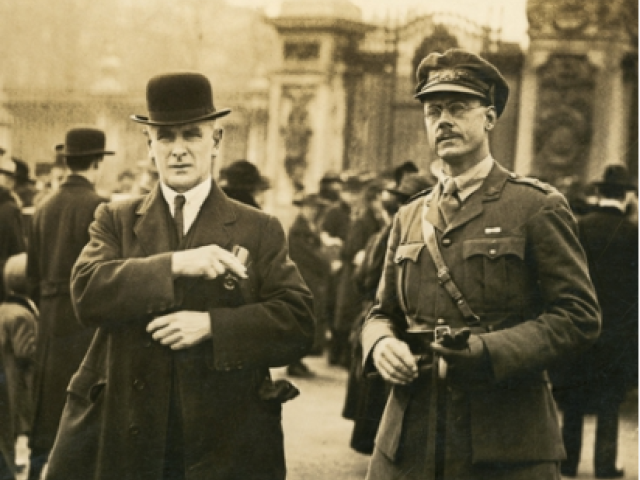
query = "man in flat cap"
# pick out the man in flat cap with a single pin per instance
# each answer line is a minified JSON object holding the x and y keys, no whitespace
{"x":176,"y":383}
{"x":486,"y":280}
{"x":60,"y":229}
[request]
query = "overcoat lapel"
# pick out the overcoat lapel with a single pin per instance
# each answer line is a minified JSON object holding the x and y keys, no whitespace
{"x":212,"y":226}
{"x":151,"y":228}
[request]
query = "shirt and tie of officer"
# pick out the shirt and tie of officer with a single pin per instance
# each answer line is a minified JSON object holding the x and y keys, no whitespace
{"x":454,"y":191}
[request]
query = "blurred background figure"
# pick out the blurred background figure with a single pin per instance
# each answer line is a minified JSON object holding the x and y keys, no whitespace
{"x":126,"y":184}
{"x":25,"y":189}
{"x":597,"y":381}
{"x":147,"y":178}
{"x":60,"y":230}
{"x":367,"y":217}
{"x":335,"y":223}
{"x":403,"y":169}
{"x":12,"y":239}
{"x":366,"y":397}
{"x":18,"y":320}
{"x":306,"y":250}
{"x":56,"y":175}
{"x":25,"y":186}
{"x":242,"y":181}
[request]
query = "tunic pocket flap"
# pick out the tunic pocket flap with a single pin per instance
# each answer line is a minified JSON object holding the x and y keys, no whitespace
{"x":87,"y":384}
{"x":410,"y":251}
{"x":494,"y":247}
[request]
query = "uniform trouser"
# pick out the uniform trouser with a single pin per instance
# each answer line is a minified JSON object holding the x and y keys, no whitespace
{"x":606,"y":447}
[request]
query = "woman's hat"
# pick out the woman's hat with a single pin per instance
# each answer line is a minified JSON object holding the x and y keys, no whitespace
{"x":244,"y":175}
{"x":179,"y":98}
{"x":84,"y":141}
{"x":616,"y":175}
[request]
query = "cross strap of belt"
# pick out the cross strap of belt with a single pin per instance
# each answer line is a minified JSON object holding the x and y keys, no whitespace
{"x":444,"y":276}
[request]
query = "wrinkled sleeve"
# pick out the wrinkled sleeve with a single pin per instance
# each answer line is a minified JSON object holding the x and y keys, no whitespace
{"x":386,"y":317}
{"x":108,"y":289}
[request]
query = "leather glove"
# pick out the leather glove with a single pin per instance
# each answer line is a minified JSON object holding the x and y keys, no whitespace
{"x":468,"y":361}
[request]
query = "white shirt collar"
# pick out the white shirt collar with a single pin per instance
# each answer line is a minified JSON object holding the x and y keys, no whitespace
{"x":471,"y":180}
{"x":194,"y":199}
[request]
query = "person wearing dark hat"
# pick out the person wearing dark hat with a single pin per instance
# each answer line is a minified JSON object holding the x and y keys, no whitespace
{"x":307,"y":252}
{"x":366,"y":397}
{"x":59,"y":231}
{"x":596,"y":381}
{"x":244,"y":183}
{"x":12,"y":239}
{"x":194,"y":298}
{"x":493,"y":260}
{"x":55,"y":176}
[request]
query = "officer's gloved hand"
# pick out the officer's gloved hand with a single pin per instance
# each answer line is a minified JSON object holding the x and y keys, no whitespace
{"x":468,"y":362}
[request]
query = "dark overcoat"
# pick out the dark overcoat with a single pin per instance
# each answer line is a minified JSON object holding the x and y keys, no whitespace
{"x":307,"y":252}
{"x":514,"y":253}
{"x":59,"y":232}
{"x":115,"y":421}
{"x":11,"y":231}
{"x":603,"y":374}
{"x":350,"y":299}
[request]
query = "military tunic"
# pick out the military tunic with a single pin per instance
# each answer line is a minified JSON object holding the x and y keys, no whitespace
{"x":512,"y":250}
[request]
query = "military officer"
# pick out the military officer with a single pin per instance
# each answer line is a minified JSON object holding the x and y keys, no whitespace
{"x":492,"y":254}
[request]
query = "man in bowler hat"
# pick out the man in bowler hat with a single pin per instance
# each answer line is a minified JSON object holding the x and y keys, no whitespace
{"x":597,"y":380}
{"x":176,"y":383}
{"x":60,"y":229}
{"x":510,"y":295}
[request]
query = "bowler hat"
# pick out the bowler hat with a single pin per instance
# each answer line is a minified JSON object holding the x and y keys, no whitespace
{"x":244,"y":175}
{"x":179,"y":98}
{"x":84,"y":141}
{"x":616,"y":175}
{"x":460,"y":71}
{"x":411,"y":184}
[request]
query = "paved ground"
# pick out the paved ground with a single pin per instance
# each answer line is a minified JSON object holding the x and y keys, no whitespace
{"x":317,"y":437}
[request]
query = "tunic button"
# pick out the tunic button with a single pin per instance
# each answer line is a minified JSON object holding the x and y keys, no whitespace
{"x":446,"y":242}
{"x":138,"y":384}
{"x":134,"y":430}
{"x":493,"y":251}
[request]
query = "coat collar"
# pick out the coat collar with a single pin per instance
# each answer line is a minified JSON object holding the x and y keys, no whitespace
{"x":490,"y":190}
{"x":211,"y":225}
{"x":76,"y":181}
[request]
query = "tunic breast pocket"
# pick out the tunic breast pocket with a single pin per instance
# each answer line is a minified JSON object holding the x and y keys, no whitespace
{"x":496,"y":266}
{"x":407,"y":273}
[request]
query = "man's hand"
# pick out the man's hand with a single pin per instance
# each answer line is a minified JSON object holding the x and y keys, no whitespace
{"x":182,"y":329}
{"x":209,"y":262}
{"x":395,"y":362}
{"x":470,"y":364}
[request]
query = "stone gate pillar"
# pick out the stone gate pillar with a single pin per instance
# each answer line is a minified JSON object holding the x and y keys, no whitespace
{"x":574,"y":113}
{"x":309,"y":95}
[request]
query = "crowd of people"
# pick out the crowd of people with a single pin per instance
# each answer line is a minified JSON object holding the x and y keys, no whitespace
{"x":180,"y":290}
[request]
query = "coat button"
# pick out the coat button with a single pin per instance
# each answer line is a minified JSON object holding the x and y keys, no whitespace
{"x":134,"y":430}
{"x":446,"y":242}
{"x":493,"y":251}
{"x":138,"y":384}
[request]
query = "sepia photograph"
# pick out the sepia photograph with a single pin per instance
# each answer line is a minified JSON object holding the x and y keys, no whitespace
{"x":319,"y":239}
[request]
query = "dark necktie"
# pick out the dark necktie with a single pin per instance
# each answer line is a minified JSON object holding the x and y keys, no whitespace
{"x":449,"y":203}
{"x":178,"y":215}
